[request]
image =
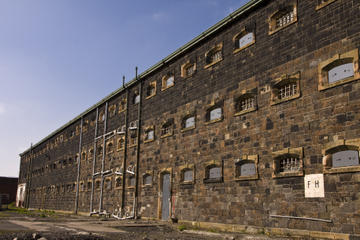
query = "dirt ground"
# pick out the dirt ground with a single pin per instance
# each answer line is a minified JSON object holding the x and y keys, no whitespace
{"x":19,"y":224}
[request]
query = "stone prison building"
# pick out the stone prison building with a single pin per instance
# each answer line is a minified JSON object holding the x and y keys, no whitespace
{"x":255,"y":122}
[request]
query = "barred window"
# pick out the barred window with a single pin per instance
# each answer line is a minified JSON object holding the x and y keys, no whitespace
{"x":189,"y":70}
{"x":284,"y":19}
{"x":287,"y":90}
{"x":244,"y":103}
{"x":289,"y":164}
{"x":214,"y":57}
{"x":167,"y":128}
{"x":118,"y":182}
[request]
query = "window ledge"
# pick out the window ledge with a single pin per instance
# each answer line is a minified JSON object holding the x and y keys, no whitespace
{"x":288,"y":174}
{"x":246,"y":178}
{"x":147,"y":185}
{"x":118,"y":187}
{"x":133,"y":145}
{"x":280,"y":28}
{"x":243,"y":47}
{"x":245,"y":111}
{"x":214,"y":121}
{"x":277,"y":101}
{"x":167,"y":87}
{"x":187,"y":183}
{"x":122,"y":110}
{"x":213,"y":63}
{"x":213,"y":180}
{"x":120,"y":149}
{"x":167,"y":135}
{"x":342,"y":169}
{"x":324,"y":4}
{"x":340,"y":82}
{"x":149,"y":140}
{"x":131,"y":187}
{"x":187,"y":129}
{"x":150,"y":96}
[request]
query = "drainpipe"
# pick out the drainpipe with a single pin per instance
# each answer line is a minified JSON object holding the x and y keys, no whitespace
{"x":27,"y":205}
{"x":136,"y":200}
{"x":94,"y":162}
{"x":103,"y":161}
{"x":78,"y":169}
{"x":125,"y":150}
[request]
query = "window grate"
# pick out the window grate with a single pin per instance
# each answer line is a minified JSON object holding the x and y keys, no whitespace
{"x":216,"y":56}
{"x":189,"y":70}
{"x":288,"y":90}
{"x":284,"y":19}
{"x":289,"y":164}
{"x":247,"y":103}
{"x":166,"y":130}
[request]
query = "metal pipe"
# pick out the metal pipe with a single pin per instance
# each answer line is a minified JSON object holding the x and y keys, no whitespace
{"x":125,"y":152}
{"x":302,"y":218}
{"x":94,"y":162}
{"x":136,"y":200}
{"x":78,"y":170}
{"x":103,"y":160}
{"x":27,"y":204}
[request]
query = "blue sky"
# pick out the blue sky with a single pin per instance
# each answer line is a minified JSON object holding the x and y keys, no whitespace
{"x":59,"y":57}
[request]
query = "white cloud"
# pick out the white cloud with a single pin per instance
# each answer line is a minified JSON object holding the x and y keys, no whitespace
{"x":2,"y":108}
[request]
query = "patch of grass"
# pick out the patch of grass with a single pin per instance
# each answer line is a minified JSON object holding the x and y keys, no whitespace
{"x":181,"y":227}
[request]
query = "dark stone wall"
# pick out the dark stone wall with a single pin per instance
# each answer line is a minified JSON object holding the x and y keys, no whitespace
{"x":311,"y":121}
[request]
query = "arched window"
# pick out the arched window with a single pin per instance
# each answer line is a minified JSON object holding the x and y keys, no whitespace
{"x":167,"y":128}
{"x":147,"y":179}
{"x":245,"y":103}
{"x":187,"y":175}
{"x":343,"y":157}
{"x":188,"y":122}
{"x":151,"y":90}
{"x":213,"y":173}
{"x":188,"y":69}
{"x":214,"y":113}
{"x":340,"y":69}
{"x":283,"y":18}
{"x":214,"y":55}
{"x":286,"y":88}
{"x":167,"y":81}
{"x":243,"y":40}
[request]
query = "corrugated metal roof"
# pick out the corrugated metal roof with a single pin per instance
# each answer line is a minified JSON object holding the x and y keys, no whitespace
{"x":245,"y":8}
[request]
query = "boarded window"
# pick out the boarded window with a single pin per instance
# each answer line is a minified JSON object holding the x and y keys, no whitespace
{"x":245,"y":168}
{"x":188,"y":175}
{"x":246,"y":40}
{"x":169,"y":81}
{"x":136,"y":98}
{"x":149,"y":135}
{"x":147,"y":179}
{"x":341,"y":72}
{"x":108,"y":184}
{"x":345,"y":158}
{"x":190,"y":122}
{"x":214,"y":172}
{"x":132,"y":181}
{"x":215,"y":114}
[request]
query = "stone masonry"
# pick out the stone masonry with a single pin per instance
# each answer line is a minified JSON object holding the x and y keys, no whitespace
{"x":269,"y":102}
